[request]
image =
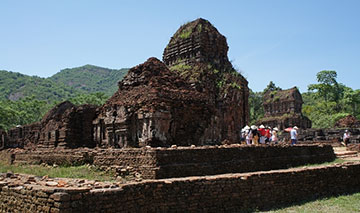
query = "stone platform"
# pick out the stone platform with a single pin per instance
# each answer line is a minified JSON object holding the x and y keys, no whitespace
{"x":219,"y":193}
{"x":158,"y":163}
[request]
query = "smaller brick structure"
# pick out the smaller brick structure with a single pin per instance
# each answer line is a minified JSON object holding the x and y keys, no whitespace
{"x":21,"y":136}
{"x":67,"y":125}
{"x":283,"y":109}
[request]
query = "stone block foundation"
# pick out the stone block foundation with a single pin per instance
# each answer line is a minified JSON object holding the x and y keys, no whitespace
{"x":219,"y":193}
{"x":158,"y":163}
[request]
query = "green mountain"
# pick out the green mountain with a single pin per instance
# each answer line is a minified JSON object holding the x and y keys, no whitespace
{"x":66,"y":84}
{"x":90,"y":79}
{"x":14,"y":86}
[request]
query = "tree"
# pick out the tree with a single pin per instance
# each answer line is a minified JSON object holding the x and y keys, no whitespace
{"x":271,"y":87}
{"x":8,"y":116}
{"x":23,"y":111}
{"x":328,"y":87}
{"x":97,"y":98}
{"x":352,"y":100}
{"x":329,"y":101}
{"x":256,"y":107}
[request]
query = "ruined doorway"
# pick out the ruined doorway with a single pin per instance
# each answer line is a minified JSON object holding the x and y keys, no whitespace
{"x":2,"y":142}
{"x":56,"y":143}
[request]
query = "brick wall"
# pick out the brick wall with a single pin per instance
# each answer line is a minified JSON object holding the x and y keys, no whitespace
{"x":36,"y":198}
{"x":220,"y":193}
{"x":232,"y":159}
{"x":156,"y":163}
{"x":53,"y":156}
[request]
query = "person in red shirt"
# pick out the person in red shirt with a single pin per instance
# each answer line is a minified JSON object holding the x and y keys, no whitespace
{"x":262,"y":133}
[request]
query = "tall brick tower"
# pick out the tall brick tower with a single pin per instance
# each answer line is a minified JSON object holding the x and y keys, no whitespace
{"x":198,"y":53}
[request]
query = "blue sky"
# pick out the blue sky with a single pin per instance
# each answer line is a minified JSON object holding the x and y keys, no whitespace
{"x":285,"y":41}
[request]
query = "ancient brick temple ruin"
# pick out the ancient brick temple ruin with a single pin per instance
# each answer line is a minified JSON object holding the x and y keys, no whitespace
{"x":23,"y":135}
{"x":283,"y":109}
{"x":198,"y":53}
{"x":199,"y":100}
{"x":154,"y":107}
{"x":195,"y":97}
{"x":66,"y":125}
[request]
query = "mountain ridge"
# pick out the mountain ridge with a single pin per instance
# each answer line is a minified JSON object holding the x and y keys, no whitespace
{"x":65,"y":84}
{"x":90,"y":78}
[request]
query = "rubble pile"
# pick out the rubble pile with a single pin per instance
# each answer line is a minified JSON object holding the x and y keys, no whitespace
{"x":348,"y":122}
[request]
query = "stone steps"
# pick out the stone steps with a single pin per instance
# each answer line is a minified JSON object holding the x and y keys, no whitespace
{"x":346,"y":154}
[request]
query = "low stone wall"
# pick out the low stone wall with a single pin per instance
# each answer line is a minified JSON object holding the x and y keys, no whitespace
{"x":157,"y":163}
{"x":234,"y":159}
{"x":320,"y":135}
{"x":220,"y":193}
{"x":53,"y":156}
{"x":133,"y":162}
{"x":35,"y":198}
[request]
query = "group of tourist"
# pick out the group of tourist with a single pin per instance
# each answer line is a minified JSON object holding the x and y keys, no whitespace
{"x":264,"y":135}
{"x":267,"y":135}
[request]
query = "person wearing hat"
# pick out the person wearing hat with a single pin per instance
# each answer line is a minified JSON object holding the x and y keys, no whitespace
{"x":293,"y":135}
{"x":346,"y":138}
{"x":243,"y":136}
{"x":255,"y":135}
{"x":248,"y":137}
{"x":261,"y":131}
{"x":274,"y":138}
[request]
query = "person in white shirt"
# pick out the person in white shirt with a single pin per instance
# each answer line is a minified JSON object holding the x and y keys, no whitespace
{"x":346,"y":137}
{"x":274,"y":138}
{"x":293,"y":135}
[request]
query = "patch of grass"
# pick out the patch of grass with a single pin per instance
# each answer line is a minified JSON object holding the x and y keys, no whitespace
{"x":344,"y":203}
{"x":199,"y":28}
{"x":235,"y":85}
{"x":180,"y":67}
{"x":216,"y":71}
{"x":83,"y":172}
{"x":185,"y":33}
{"x":337,"y":160}
{"x":221,"y":83}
